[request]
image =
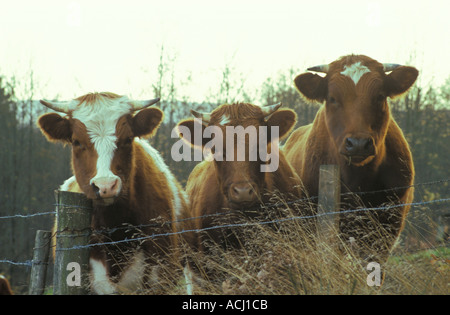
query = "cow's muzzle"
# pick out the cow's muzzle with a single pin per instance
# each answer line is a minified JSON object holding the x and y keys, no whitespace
{"x":357,"y":150}
{"x":242,"y":195}
{"x":106,"y":188}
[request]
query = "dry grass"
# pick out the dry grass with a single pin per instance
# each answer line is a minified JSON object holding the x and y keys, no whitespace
{"x":274,"y":264}
{"x":285,"y":259}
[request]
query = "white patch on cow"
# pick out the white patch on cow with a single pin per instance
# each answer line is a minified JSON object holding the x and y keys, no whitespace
{"x":105,"y":146}
{"x":355,"y":71}
{"x":189,"y":279}
{"x":100,"y":119}
{"x":224,"y":120}
{"x":99,"y":279}
{"x":176,"y":193}
{"x":130,"y":280}
{"x":68,"y":183}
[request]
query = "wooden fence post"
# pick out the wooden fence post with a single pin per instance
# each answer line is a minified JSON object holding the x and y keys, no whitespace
{"x":73,"y":217}
{"x":40,"y":262}
{"x":329,"y":200}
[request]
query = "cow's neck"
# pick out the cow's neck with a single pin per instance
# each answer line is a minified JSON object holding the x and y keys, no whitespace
{"x":149,"y":192}
{"x":112,"y":216}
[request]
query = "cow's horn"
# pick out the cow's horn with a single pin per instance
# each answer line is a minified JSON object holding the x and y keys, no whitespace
{"x":390,"y":66}
{"x":320,"y":68}
{"x":63,"y":107}
{"x":137,"y":105}
{"x":269,"y":109}
{"x":206,"y":117}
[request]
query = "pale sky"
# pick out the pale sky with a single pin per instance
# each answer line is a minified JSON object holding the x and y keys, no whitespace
{"x":75,"y":47}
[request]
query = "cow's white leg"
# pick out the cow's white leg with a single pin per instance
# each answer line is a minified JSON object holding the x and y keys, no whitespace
{"x":100,"y":282}
{"x":188,"y":278}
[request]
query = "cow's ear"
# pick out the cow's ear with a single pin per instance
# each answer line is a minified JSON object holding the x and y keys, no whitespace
{"x":188,"y":130}
{"x":55,"y":127}
{"x":284,"y":119}
{"x":400,"y":80}
{"x":146,"y":122}
{"x":312,"y":87}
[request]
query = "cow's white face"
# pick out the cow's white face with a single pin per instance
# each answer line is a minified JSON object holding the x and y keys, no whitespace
{"x":101,"y":131}
{"x":100,"y":120}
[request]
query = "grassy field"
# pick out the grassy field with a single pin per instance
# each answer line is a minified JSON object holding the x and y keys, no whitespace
{"x":281,"y":262}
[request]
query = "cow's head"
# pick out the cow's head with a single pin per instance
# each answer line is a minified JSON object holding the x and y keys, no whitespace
{"x":101,"y":128}
{"x":239,"y":171}
{"x":355,"y":90}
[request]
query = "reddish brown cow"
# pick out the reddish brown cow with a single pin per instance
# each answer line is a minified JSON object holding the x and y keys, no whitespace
{"x":125,"y":177}
{"x":355,"y":130}
{"x":238,"y":183}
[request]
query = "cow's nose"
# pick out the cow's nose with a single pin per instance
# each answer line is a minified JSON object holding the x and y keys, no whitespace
{"x":106,"y":187}
{"x":242,"y":192}
{"x":359,"y":146}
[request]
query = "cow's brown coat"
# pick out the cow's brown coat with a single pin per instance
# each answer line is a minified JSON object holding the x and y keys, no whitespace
{"x":358,"y":111}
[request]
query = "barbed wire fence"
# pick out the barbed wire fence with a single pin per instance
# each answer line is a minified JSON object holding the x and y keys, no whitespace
{"x":81,"y":234}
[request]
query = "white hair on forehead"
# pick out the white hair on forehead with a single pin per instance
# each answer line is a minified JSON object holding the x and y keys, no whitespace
{"x":355,"y":71}
{"x":100,"y":117}
{"x":103,"y":111}
{"x":225,"y":119}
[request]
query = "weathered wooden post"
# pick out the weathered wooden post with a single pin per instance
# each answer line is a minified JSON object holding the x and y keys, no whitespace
{"x":40,"y":262}
{"x":73,"y":217}
{"x":329,"y":200}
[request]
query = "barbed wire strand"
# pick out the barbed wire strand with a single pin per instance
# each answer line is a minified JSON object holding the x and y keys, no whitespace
{"x":253,"y":224}
{"x":27,"y":263}
{"x":27,"y":215}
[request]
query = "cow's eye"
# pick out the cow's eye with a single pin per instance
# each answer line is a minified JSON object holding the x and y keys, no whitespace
{"x":76,"y":143}
{"x":129,"y":140}
{"x":381,"y":97}
{"x":332,"y":101}
{"x":125,"y":141}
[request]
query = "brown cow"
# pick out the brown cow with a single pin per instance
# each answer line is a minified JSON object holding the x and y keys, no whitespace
{"x":230,"y":182}
{"x":125,"y":177}
{"x":355,"y":130}
{"x":235,"y":179}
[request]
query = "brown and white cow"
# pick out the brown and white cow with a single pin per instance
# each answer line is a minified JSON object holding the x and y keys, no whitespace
{"x":125,"y":177}
{"x":231,"y":182}
{"x":355,"y":130}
